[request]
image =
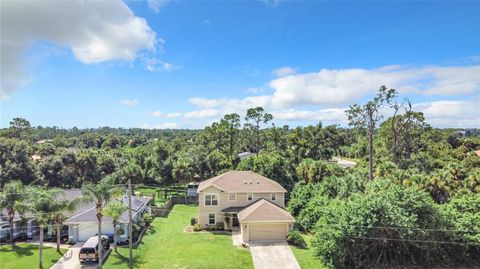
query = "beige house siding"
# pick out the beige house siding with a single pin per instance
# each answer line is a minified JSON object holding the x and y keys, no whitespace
{"x":224,"y":202}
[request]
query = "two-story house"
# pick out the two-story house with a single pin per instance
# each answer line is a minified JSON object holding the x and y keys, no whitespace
{"x":247,"y":201}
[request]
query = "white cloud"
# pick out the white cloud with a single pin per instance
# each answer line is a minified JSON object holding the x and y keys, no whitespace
{"x":153,"y":64}
{"x":254,"y":90}
{"x":129,"y":102}
{"x":283,"y":71}
{"x":232,"y":103}
{"x":95,"y":31}
{"x":346,"y":86}
{"x":170,"y":115}
{"x":157,"y":5}
{"x":203,"y":113}
{"x":331,"y":115}
{"x":451,"y":113}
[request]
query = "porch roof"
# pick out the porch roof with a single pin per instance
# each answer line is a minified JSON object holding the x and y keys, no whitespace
{"x":233,"y":209}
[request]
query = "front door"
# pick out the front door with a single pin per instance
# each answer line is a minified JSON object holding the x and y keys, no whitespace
{"x":235,"y":220}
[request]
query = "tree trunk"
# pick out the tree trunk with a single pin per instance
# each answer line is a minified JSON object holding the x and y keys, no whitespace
{"x":257,"y":141}
{"x":395,"y":139}
{"x":58,"y":236}
{"x":40,"y":253}
{"x":11,"y":230}
{"x":371,"y":129}
{"x":115,"y":236}
{"x":100,"y":245}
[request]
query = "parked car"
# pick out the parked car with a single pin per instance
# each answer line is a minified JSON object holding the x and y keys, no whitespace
{"x":89,"y":250}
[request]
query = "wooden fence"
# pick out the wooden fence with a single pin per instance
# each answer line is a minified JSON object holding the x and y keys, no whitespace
{"x":163,"y":211}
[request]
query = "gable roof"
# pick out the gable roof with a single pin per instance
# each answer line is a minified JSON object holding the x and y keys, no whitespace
{"x":90,"y":214}
{"x":264,"y":211}
{"x":241,"y":181}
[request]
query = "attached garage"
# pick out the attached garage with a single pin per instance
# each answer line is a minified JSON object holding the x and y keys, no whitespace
{"x":268,"y":232}
{"x":265,"y":221}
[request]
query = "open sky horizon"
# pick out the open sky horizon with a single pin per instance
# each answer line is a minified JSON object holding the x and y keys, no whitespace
{"x":184,"y":64}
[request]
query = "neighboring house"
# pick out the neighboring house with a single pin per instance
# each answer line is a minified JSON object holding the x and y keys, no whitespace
{"x":27,"y":226}
{"x":247,"y":201}
{"x":245,"y":155}
{"x":82,"y":223}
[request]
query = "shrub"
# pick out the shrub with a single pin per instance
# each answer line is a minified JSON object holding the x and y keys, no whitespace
{"x":193,"y":221}
{"x":296,"y":238}
{"x":197,"y":227}
{"x":348,"y":231}
{"x":147,"y":218}
{"x":220,"y":226}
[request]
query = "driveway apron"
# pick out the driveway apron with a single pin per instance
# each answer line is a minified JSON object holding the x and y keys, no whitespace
{"x":268,"y":255}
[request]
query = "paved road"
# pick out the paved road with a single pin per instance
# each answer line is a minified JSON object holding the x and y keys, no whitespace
{"x":344,"y":163}
{"x":273,"y":256}
{"x":70,"y":259}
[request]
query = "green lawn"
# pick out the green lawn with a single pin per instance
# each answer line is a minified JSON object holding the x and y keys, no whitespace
{"x":305,"y":256}
{"x":26,"y":256}
{"x":167,"y":246}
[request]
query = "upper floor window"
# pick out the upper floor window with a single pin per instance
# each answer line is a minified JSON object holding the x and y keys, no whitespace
{"x":249,"y":196}
{"x":232,"y":197}
{"x":273,"y":196}
{"x":211,"y":199}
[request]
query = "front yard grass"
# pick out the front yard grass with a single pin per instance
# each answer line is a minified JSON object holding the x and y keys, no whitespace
{"x":305,"y":256}
{"x":26,"y":256}
{"x":166,"y":245}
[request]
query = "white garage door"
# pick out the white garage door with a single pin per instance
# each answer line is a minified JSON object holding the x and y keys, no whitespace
{"x":266,"y":232}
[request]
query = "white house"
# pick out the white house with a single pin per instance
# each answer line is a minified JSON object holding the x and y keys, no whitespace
{"x":82,"y":224}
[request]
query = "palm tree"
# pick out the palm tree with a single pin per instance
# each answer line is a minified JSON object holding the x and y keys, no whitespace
{"x":10,"y":197}
{"x":59,"y":206}
{"x":115,"y":210}
{"x":41,"y":203}
{"x":100,"y":193}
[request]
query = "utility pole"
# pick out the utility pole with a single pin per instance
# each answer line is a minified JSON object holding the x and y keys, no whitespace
{"x":130,"y":237}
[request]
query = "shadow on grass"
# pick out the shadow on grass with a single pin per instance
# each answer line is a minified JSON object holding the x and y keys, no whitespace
{"x":19,"y":250}
{"x":120,"y":259}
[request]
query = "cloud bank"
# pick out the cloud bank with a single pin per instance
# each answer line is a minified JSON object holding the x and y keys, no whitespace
{"x":94,"y":31}
{"x":331,"y":91}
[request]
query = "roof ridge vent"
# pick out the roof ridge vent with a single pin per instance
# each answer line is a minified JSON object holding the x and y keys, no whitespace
{"x":244,"y":182}
{"x":251,"y":182}
{"x":258,"y":182}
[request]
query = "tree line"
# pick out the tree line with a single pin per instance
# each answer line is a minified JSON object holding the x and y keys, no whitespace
{"x":411,"y":200}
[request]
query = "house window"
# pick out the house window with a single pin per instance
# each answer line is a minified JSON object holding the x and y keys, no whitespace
{"x":273,"y":197}
{"x":211,"y":218}
{"x":232,"y":197}
{"x":249,"y":196}
{"x":211,"y":200}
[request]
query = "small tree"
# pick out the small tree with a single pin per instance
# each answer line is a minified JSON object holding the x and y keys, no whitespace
{"x":115,"y":211}
{"x":367,"y":116}
{"x":58,"y":216}
{"x":43,"y":205}
{"x":100,"y":193}
{"x":10,"y":197}
{"x":258,"y":115}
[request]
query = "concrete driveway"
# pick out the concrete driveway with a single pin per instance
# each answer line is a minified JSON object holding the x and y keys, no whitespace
{"x":70,"y":259}
{"x":268,"y":255}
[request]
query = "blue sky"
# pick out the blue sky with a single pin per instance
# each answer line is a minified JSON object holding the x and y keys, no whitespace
{"x":183,"y":64}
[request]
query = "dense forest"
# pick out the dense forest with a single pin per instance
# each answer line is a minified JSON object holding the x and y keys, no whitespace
{"x":411,"y":200}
